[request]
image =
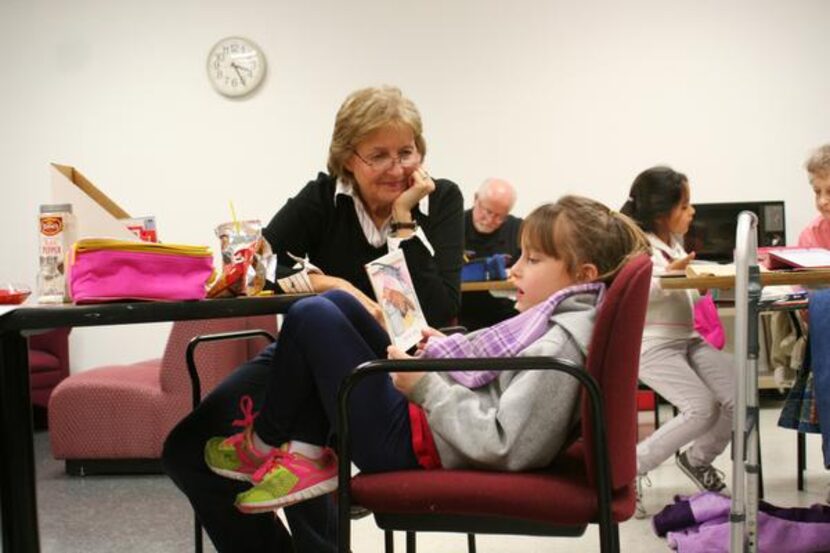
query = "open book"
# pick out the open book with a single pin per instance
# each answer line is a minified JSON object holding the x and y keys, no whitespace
{"x":396,"y":296}
{"x":798,"y":258}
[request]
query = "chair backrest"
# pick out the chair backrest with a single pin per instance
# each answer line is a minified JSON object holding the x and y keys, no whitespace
{"x":214,"y":360}
{"x":55,"y":342}
{"x":614,"y":361}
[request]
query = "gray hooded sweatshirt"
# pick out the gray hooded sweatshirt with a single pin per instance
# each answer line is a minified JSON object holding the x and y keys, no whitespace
{"x":520,"y":420}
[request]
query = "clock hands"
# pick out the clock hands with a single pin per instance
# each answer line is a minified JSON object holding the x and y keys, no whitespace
{"x":237,"y":68}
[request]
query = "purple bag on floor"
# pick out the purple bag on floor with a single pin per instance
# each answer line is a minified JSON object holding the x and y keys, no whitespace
{"x":708,"y":323}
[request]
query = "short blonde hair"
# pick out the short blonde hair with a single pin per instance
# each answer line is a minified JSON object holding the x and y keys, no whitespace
{"x":818,"y":164}
{"x":362,"y":113}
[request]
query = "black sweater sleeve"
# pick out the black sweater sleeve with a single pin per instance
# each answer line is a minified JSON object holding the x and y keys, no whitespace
{"x":298,"y":225}
{"x":437,"y":279}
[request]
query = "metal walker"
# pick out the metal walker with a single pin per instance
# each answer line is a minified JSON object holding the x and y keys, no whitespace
{"x":743,"y":514}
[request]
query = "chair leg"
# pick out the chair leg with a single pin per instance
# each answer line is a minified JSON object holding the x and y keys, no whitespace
{"x":801,"y":451}
{"x":410,"y":542}
{"x":389,"y":541}
{"x":609,"y":538}
{"x":675,"y":411}
{"x":656,"y":411}
{"x":471,"y":543}
{"x":197,"y":537}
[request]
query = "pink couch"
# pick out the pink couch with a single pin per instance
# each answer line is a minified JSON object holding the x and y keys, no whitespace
{"x":48,"y":363}
{"x":115,"y":418}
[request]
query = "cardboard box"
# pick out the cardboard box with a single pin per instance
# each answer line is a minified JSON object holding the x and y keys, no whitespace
{"x":96,"y":214}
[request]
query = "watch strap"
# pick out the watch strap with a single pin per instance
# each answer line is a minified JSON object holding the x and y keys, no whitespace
{"x":398,"y":225}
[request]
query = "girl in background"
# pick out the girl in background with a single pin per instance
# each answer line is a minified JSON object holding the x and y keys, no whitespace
{"x":675,"y":361}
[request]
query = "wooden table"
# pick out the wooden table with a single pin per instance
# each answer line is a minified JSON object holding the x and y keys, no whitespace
{"x":18,"y":503}
{"x":772,"y":278}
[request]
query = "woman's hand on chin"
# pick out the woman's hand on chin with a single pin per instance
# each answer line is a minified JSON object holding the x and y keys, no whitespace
{"x":421,"y":186}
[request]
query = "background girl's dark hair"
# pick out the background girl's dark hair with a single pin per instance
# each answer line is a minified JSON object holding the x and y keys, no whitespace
{"x":580,"y":230}
{"x":654,"y":193}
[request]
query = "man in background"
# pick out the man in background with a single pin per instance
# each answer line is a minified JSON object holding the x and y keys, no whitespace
{"x":489,"y":229}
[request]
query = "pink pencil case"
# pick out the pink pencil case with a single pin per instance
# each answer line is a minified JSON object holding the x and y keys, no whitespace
{"x":102,"y":270}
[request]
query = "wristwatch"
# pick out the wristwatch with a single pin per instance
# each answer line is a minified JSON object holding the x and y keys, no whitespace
{"x":398,"y":225}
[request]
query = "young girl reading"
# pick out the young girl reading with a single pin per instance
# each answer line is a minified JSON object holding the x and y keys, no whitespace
{"x":507,"y":421}
{"x":675,"y":361}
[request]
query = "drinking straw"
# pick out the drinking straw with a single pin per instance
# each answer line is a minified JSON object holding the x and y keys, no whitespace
{"x":233,"y":215}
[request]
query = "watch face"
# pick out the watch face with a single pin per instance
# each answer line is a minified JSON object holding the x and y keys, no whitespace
{"x":235,"y":66}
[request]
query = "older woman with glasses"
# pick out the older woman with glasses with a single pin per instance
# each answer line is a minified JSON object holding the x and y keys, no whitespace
{"x":375,"y":198}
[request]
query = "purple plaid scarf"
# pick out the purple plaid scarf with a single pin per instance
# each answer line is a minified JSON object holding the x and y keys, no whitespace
{"x":504,"y":339}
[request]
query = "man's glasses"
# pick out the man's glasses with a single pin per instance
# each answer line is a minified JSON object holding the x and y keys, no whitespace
{"x":382,"y":162}
{"x":489,"y":213}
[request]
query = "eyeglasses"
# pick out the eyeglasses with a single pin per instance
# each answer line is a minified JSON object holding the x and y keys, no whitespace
{"x":489,"y":213}
{"x":382,"y":162}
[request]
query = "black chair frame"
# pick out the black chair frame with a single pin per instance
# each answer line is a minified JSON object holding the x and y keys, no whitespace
{"x":196,"y":387}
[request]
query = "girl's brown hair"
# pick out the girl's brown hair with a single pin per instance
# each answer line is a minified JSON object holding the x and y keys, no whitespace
{"x":580,"y":230}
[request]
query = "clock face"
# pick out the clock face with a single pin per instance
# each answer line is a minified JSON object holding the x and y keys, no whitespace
{"x":235,"y":66}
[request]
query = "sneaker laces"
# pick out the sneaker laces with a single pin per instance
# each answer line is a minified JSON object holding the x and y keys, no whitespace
{"x":275,"y":458}
{"x":246,"y":405}
{"x":244,"y":441}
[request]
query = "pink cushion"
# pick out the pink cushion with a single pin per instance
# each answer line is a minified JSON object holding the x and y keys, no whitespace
{"x":126,"y":411}
{"x":40,"y":361}
{"x":109,"y":412}
{"x":527,"y":495}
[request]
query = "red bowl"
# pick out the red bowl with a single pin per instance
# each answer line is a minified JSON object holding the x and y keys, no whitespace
{"x":13,"y":294}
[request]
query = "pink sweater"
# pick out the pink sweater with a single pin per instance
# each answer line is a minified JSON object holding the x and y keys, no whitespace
{"x":816,"y":234}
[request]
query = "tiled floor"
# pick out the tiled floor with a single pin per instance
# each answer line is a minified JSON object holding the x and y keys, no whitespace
{"x":146,"y":514}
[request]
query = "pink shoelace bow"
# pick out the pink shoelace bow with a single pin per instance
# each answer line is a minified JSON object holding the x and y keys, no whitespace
{"x":246,"y":405}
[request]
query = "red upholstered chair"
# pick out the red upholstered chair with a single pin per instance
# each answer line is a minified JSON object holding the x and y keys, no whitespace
{"x":591,"y":482}
{"x":115,"y":418}
{"x":48,"y":363}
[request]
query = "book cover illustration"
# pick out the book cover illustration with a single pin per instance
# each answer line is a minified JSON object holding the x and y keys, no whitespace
{"x":397,"y":299}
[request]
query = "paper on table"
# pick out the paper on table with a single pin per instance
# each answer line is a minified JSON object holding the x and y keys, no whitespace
{"x":799,"y":258}
{"x":728,"y":269}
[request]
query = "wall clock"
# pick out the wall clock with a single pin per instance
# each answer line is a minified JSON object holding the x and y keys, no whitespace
{"x":235,"y":66}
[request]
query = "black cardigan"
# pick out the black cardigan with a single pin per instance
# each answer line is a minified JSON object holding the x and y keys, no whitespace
{"x":311,"y":224}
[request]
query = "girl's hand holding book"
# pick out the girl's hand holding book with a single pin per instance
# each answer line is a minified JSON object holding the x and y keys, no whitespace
{"x":405,"y":381}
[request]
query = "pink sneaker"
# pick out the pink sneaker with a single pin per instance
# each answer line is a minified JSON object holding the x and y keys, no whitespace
{"x":236,"y":457}
{"x":288,"y":478}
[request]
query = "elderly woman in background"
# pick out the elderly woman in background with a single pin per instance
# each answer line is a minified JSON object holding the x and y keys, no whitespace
{"x":376,"y":198}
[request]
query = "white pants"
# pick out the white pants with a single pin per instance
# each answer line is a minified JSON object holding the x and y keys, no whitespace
{"x":699,"y":381}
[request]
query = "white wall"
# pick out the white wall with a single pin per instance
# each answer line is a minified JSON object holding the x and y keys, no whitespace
{"x":558,"y":96}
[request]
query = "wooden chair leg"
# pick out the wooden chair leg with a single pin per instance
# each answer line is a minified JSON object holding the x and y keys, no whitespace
{"x":801,"y":453}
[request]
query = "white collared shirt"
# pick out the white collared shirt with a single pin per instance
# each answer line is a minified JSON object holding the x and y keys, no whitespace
{"x":670,"y":312}
{"x":377,"y":237}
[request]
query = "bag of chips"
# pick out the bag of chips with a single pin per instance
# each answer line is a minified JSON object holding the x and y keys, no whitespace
{"x":246,"y":260}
